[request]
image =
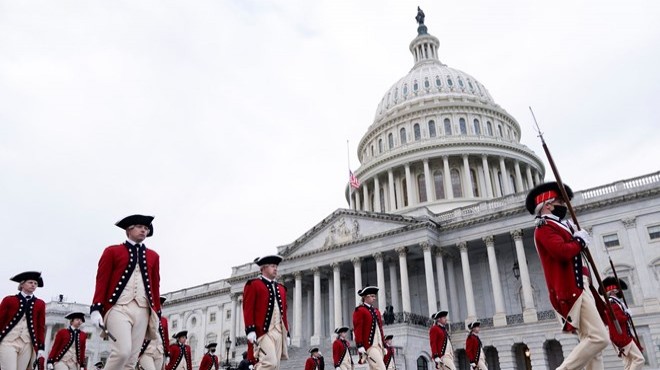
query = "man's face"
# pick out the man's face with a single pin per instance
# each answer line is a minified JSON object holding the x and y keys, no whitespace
{"x":442,"y":320}
{"x":137,"y":233}
{"x":76,"y":323}
{"x":29,"y":286}
{"x":476,"y":330}
{"x":388,"y":342}
{"x":182,"y":339}
{"x":370,"y":299}
{"x":343,"y":334}
{"x":269,"y":271}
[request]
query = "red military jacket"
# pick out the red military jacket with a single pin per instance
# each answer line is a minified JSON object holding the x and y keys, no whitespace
{"x":340,"y":350}
{"x":209,"y":360}
{"x":116,"y":267}
{"x":259,"y":300}
{"x":388,"y":356}
{"x":312,"y":364}
{"x":365,"y":319}
{"x":177,"y":351}
{"x":164,"y":332}
{"x":439,"y":338}
{"x":626,"y":336}
{"x":562,"y":264}
{"x":473,"y":348}
{"x":14,"y":307}
{"x":64,"y":339}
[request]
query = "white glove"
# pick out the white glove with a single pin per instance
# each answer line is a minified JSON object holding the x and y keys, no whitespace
{"x":41,"y":353}
{"x":473,"y":365}
{"x":50,"y":366}
{"x":288,"y":341}
{"x":437,"y":360}
{"x":252,"y":336}
{"x":96,"y":319}
{"x":251,"y":367}
{"x":584,"y":235}
{"x":362,"y":350}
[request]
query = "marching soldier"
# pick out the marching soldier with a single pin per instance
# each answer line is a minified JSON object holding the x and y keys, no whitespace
{"x":264,"y":314}
{"x":154,"y":352}
{"x":630,"y":350}
{"x":68,"y":350}
{"x":473,"y":347}
{"x":390,"y":364}
{"x":127,"y":291}
{"x":23,"y":324}
{"x":210,"y":360}
{"x":368,"y":326}
{"x":180,"y":355}
{"x":341,"y":356}
{"x":560,"y":247}
{"x":313,"y":362}
{"x":441,"y":349}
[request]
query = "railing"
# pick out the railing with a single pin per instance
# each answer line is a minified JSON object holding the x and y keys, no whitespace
{"x":407,"y":318}
{"x":514,"y":319}
{"x":546,"y":315}
{"x":635,"y":182}
{"x":457,"y":326}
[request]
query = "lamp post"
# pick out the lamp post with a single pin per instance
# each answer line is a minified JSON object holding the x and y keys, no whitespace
{"x":227,"y":347}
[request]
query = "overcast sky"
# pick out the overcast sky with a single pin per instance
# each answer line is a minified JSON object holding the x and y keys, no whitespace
{"x":228,"y":120}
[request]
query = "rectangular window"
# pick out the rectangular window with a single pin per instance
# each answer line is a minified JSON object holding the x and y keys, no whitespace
{"x":611,"y":240}
{"x":174,"y":324}
{"x":228,"y":314}
{"x":212,"y":317}
{"x":654,"y":232}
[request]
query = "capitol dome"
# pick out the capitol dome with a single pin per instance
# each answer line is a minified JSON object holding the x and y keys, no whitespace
{"x":439,"y":140}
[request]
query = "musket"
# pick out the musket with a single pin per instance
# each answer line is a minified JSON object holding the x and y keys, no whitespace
{"x":107,"y":332}
{"x":564,"y":196}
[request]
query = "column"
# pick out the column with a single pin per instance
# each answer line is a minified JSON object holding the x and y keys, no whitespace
{"x":499,"y":319}
{"x":537,"y":178}
{"x":394,"y":286}
{"x":49,"y":335}
{"x":529,"y":313}
{"x":506,"y":190}
{"x":467,"y":279}
{"x":336,"y":279}
{"x":316,"y":338}
{"x":453,"y":290}
{"x":380,"y":280}
{"x":297,"y":310}
{"x":449,"y":191}
{"x":489,"y":185}
{"x":519,"y":183}
{"x":351,"y":201}
{"x":331,"y":306}
{"x":232,"y":327}
{"x":390,"y":184}
{"x":239,"y":314}
{"x":357,"y":271}
{"x":365,"y":195}
{"x":409,"y":183}
{"x":430,"y":284}
{"x":467,"y":179}
{"x":430,"y":196}
{"x":440,"y":272}
{"x":358,"y":204}
{"x":377,"y":195}
{"x":405,"y":288}
{"x":530,"y":180}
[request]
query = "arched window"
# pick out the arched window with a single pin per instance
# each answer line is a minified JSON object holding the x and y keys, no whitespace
{"x":475,"y":182}
{"x":461,"y":358}
{"x":421,"y":188}
{"x":390,"y":140}
{"x":477,"y":127}
{"x":422,"y":364}
{"x":427,"y":84}
{"x":404,"y":192}
{"x":456,"y":185}
{"x":439,"y":183}
{"x":405,"y":90}
{"x":382,"y":199}
{"x":431,"y":128}
{"x":489,"y":128}
{"x":462,"y":126}
{"x":554,"y":353}
{"x":402,"y":135}
{"x":192,"y":342}
{"x":438,"y":82}
{"x":417,"y":132}
{"x":447,"y":126}
{"x":450,"y":83}
{"x":380,"y":145}
{"x":493,"y":358}
{"x":415,"y":86}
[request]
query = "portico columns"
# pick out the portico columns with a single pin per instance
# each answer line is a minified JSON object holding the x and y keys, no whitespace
{"x":499,"y":319}
{"x":519,"y":184}
{"x":529,"y":313}
{"x":430,"y":196}
{"x":351,"y":200}
{"x":440,"y":272}
{"x":405,"y":288}
{"x":394,"y":286}
{"x":537,"y":177}
{"x":506,"y":189}
{"x":409,"y":185}
{"x":316,"y":337}
{"x":365,"y":195}
{"x":336,"y":280}
{"x":467,"y":179}
{"x":390,"y":185}
{"x":447,"y":178}
{"x":467,"y":279}
{"x":489,"y":185}
{"x":430,"y":284}
{"x":530,"y":180}
{"x":297,"y":309}
{"x":380,"y":280}
{"x":453,"y":289}
{"x":357,"y":271}
{"x":377,"y":195}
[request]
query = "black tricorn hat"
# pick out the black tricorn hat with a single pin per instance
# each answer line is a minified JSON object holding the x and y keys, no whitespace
{"x":211,"y":345}
{"x":543,"y":192}
{"x":439,"y":314}
{"x":75,"y":315}
{"x":182,"y":333}
{"x":268,"y":260}
{"x":314,"y":349}
{"x":610,"y":284}
{"x":29,"y":275}
{"x":162,"y":300}
{"x":133,"y":220}
{"x":341,"y":329}
{"x":389,"y":336}
{"x":367,"y":290}
{"x":473,"y":324}
{"x":99,"y":364}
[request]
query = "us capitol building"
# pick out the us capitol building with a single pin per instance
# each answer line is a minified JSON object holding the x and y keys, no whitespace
{"x":439,"y":223}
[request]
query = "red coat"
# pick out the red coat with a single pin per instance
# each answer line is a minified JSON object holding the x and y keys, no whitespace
{"x":16,"y":306}
{"x":365,"y":320}
{"x":473,"y":348}
{"x":115,"y":268}
{"x":64,"y":339}
{"x":340,"y":350}
{"x":164,"y":332}
{"x":176,"y":355}
{"x":562,"y":264}
{"x":312,"y":364}
{"x":388,"y":356}
{"x":208,"y":361}
{"x":258,"y":303}
{"x":626,"y":336}
{"x":439,"y":338}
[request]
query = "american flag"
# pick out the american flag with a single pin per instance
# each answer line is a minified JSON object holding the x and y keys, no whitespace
{"x":355,"y":183}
